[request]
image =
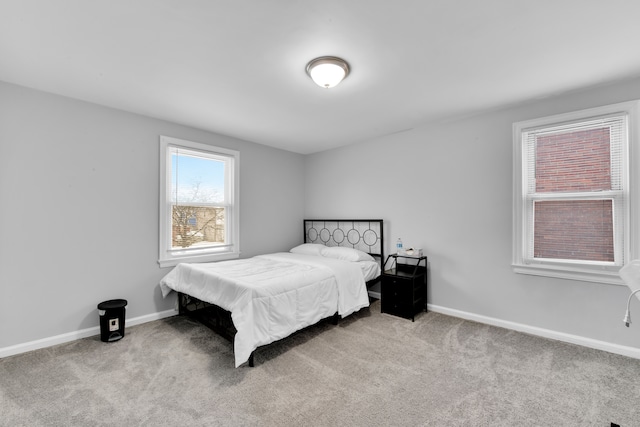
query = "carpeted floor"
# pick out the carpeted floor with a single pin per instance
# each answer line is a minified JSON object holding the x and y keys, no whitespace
{"x":370,"y":370}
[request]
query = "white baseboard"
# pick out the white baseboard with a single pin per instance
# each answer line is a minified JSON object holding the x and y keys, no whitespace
{"x":545,"y":333}
{"x":76,"y":335}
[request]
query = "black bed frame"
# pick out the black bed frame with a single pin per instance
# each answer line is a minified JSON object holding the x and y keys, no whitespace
{"x":362,"y":234}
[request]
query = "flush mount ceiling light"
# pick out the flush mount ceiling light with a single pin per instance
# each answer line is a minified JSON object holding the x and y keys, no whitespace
{"x":327,"y":71}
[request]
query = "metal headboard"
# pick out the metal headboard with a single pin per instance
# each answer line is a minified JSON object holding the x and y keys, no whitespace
{"x":363,"y":234}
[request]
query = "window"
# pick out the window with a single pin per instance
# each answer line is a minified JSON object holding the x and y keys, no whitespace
{"x":574,"y":208}
{"x":198,"y":202}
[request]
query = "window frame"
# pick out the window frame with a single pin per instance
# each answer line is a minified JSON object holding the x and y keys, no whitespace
{"x":591,"y":271}
{"x":169,"y":257}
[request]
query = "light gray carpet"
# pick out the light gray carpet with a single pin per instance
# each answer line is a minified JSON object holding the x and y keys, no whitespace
{"x":371,"y":370}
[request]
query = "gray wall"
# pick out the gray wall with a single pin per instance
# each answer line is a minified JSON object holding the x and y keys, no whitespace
{"x":79,"y":210}
{"x":447,"y":188}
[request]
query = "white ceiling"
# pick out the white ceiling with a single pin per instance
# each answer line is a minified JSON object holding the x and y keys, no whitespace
{"x":237,"y":67}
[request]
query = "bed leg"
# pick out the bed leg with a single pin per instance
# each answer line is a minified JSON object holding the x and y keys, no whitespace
{"x":181,"y":308}
{"x":335,"y":319}
{"x":251,"y":360}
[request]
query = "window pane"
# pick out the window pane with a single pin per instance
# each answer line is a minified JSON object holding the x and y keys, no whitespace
{"x":574,"y":229}
{"x":197,"y":226}
{"x":573,"y":161}
{"x":196,"y":179}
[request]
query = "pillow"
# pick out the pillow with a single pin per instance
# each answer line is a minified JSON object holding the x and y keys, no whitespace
{"x":346,"y":254}
{"x":308,"y":249}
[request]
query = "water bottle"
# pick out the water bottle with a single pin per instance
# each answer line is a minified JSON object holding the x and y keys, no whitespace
{"x":399,"y":245}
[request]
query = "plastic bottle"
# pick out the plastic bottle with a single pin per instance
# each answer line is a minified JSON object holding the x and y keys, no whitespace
{"x":399,"y":245}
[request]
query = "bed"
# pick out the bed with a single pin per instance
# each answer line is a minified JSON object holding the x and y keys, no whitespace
{"x":259,"y":300}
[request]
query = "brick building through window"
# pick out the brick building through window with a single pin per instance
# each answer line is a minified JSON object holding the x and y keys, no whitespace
{"x":571,"y":162}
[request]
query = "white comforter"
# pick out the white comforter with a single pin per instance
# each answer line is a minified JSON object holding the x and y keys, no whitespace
{"x":272,"y":296}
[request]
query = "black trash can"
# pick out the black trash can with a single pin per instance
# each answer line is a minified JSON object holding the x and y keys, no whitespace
{"x":112,"y":319}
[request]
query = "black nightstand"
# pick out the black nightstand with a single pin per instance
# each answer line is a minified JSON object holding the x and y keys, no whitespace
{"x":404,"y":286}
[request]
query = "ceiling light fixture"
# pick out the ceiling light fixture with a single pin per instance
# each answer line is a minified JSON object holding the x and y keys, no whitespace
{"x":328,"y":71}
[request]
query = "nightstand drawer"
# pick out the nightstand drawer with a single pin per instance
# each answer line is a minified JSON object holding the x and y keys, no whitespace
{"x":397,"y":308}
{"x":397,"y":288}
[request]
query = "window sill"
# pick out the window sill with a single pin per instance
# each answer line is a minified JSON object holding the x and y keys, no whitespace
{"x":570,"y":273}
{"x":172,"y":262}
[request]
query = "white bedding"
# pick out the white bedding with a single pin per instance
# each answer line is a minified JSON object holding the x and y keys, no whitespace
{"x":370,"y":269}
{"x":272,"y":296}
